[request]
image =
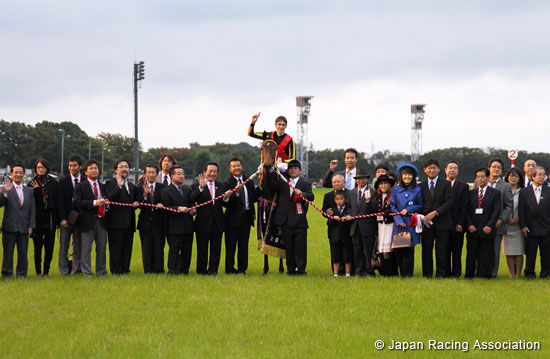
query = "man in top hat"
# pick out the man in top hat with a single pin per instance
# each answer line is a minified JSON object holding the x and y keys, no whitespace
{"x":362,"y":231}
{"x":292,"y":216}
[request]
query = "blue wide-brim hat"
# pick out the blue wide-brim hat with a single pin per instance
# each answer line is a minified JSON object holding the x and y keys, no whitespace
{"x":407,"y":165}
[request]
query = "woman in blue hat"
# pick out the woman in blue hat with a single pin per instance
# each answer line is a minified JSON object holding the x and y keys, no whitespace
{"x":406,"y":199}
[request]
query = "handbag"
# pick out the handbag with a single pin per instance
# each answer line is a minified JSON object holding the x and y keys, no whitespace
{"x":377,"y":257}
{"x":402,"y":239}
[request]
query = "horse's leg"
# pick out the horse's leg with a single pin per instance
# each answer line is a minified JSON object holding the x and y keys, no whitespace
{"x":281,"y":266}
{"x":266,"y":264}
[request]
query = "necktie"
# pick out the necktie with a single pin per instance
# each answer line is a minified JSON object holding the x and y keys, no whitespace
{"x":359,"y":195}
{"x":151,"y":192}
{"x":537,"y":194}
{"x":432,"y":188}
{"x":165,"y":182}
{"x":19,"y":191}
{"x":212,"y":192}
{"x":75,"y":181}
{"x":348,"y":180}
{"x":480,"y":197}
{"x":180,"y":189}
{"x":101,"y":209}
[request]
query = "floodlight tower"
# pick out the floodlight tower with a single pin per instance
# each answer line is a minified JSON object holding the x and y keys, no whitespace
{"x":417,"y":117}
{"x":139,"y":75}
{"x":303,"y":108}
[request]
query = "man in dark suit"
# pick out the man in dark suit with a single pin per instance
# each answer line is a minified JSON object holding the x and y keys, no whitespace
{"x":210,"y":221}
{"x":292,"y":216}
{"x":179,"y":228}
{"x":458,"y":213}
{"x":239,"y":217}
{"x":482,"y":214}
{"x":151,"y":222}
{"x":350,"y":158}
{"x":438,"y":201}
{"x":121,"y":220}
{"x":529,"y":169}
{"x":89,"y":200}
{"x":534,"y":221}
{"x":18,"y":223}
{"x":65,"y":192}
{"x":362,"y":231}
{"x":338,"y":184}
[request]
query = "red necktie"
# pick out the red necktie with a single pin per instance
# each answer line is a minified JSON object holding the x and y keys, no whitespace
{"x":101,"y":209}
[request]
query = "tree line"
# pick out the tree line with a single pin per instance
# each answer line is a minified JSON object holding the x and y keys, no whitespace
{"x":24,"y":144}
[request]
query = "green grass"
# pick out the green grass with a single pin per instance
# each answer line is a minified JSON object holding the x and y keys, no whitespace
{"x":264,"y":316}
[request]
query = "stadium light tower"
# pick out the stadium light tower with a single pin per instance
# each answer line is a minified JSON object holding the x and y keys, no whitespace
{"x":139,"y":75}
{"x":417,"y":117}
{"x":303,"y":108}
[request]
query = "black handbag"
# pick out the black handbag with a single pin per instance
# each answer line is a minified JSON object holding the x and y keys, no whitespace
{"x":377,"y":257}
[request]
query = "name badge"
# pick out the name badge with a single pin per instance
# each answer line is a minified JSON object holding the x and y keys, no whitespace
{"x":479,"y":210}
{"x":380,"y":218}
{"x":411,"y":203}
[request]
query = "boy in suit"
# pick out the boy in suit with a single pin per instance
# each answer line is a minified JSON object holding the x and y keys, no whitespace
{"x":341,"y":248}
{"x":482,"y":214}
{"x":18,"y":223}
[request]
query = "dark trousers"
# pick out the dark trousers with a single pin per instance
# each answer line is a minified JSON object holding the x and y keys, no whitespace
{"x":480,"y":254}
{"x":152,"y":251}
{"x":121,"y":242}
{"x":9,"y":240}
{"x":43,"y":238}
{"x":442,"y":241}
{"x":214,"y":238}
{"x":236,"y":238}
{"x":405,"y":261}
{"x":532,"y":243}
{"x":457,"y":242}
{"x":64,"y":243}
{"x":296,"y":249}
{"x":180,"y":248}
{"x":362,"y":253}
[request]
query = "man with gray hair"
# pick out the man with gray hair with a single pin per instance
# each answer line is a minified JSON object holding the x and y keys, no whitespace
{"x":529,"y":169}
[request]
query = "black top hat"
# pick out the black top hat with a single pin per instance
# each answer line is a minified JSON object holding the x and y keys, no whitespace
{"x":361,"y":174}
{"x":384,"y":178}
{"x":294,"y":163}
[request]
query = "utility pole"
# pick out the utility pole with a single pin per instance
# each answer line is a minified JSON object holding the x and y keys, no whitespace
{"x":62,"y":146}
{"x":139,"y":75}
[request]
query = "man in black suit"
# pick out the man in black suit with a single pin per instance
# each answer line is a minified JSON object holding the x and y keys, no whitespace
{"x":210,"y":221}
{"x":89,"y":200}
{"x":482,"y":214}
{"x":350,"y":158}
{"x":65,"y":192}
{"x":179,"y":225}
{"x":152,"y":221}
{"x":239,"y":217}
{"x":18,"y":223}
{"x":121,"y":220}
{"x":534,"y":221}
{"x":338,"y":184}
{"x":362,"y":231}
{"x":458,"y":213}
{"x":438,"y":201}
{"x":292,"y":216}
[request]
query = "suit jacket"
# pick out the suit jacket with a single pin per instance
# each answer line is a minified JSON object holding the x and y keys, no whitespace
{"x":84,"y":201}
{"x":460,"y":203}
{"x":177,"y":223}
{"x":208,"y":215}
{"x":286,"y":206}
{"x":506,"y":204}
{"x":65,"y":191}
{"x":235,"y":206}
{"x":491,"y":211}
{"x":534,"y":216}
{"x":151,"y":218}
{"x":366,"y":226}
{"x":18,"y":218}
{"x":442,"y":202}
{"x":121,"y":217}
{"x":160,"y":178}
{"x":338,"y":231}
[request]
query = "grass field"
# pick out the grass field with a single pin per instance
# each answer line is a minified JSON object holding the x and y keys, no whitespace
{"x":271,"y":316}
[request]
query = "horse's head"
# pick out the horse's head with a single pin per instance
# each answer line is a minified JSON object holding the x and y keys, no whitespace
{"x":269,"y":152}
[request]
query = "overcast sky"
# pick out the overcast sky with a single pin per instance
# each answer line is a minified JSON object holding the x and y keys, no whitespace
{"x":483,"y":68}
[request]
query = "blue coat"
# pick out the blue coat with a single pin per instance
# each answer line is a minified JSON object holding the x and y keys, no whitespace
{"x":410,"y":199}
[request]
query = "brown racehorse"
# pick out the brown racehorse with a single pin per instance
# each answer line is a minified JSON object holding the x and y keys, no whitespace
{"x":266,"y":206}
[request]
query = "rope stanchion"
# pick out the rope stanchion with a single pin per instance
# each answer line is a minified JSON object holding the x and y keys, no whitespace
{"x":190,"y":208}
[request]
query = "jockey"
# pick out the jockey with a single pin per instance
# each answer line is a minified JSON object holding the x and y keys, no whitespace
{"x":285,"y":144}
